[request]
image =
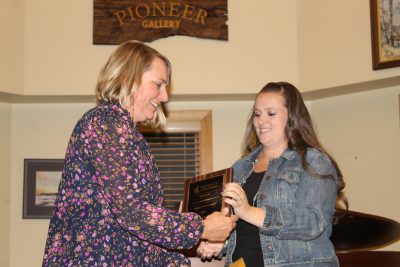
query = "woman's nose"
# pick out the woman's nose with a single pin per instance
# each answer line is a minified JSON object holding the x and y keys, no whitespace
{"x":163,"y":94}
{"x":263,"y":119}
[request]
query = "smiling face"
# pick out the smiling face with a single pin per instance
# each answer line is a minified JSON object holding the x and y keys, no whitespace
{"x":269,"y":119}
{"x":151,"y":92}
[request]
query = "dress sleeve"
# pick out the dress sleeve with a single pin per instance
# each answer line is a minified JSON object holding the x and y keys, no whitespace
{"x":315,"y":200}
{"x":114,"y":155}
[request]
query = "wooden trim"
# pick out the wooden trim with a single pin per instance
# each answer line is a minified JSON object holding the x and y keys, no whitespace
{"x":192,"y":121}
{"x":206,"y":144}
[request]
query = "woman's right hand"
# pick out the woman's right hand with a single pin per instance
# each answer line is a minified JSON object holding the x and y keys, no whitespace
{"x":218,"y":226}
{"x":235,"y":196}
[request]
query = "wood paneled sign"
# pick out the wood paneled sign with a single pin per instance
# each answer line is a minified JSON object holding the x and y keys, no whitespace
{"x":116,"y":21}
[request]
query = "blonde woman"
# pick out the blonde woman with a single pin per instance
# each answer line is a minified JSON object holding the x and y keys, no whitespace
{"x":108,"y":211}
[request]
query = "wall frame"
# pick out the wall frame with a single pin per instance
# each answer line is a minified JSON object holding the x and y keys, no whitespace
{"x":41,"y":180}
{"x":385,"y":33}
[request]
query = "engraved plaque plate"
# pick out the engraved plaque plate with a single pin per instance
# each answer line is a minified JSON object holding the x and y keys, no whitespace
{"x":203,"y":193}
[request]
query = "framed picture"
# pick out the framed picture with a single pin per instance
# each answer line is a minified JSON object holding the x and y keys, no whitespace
{"x":41,"y":180}
{"x":203,"y":192}
{"x":385,"y":33}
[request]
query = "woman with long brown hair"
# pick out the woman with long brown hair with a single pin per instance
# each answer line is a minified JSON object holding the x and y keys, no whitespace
{"x":285,"y":187}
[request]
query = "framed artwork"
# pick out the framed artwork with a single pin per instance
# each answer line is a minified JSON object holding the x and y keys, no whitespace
{"x":41,"y":180}
{"x":385,"y":33}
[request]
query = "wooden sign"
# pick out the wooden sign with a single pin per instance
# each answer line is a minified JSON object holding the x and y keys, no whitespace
{"x":116,"y":21}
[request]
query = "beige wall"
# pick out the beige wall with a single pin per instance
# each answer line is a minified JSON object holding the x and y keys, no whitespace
{"x":12,"y":46}
{"x":228,"y":119}
{"x":334,"y":36}
{"x":38,"y":131}
{"x":362,"y":132}
{"x":5,"y":152}
{"x":44,"y":53}
{"x":61,"y":60}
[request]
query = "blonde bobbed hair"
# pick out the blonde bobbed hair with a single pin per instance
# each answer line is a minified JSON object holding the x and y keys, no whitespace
{"x":121,"y":76}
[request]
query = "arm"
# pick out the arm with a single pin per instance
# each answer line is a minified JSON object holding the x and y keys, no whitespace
{"x":310,"y":216}
{"x":207,"y":250}
{"x":123,"y":176}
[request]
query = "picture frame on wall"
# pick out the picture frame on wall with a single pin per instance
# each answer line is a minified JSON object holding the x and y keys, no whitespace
{"x":41,"y":180}
{"x":385,"y":33}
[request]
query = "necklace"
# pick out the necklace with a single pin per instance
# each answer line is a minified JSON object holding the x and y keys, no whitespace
{"x":261,"y":163}
{"x":254,"y":200}
{"x":261,"y":157}
{"x":255,"y":196}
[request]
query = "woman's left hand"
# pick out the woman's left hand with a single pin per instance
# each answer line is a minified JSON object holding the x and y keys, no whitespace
{"x":235,"y":196}
{"x":207,"y":250}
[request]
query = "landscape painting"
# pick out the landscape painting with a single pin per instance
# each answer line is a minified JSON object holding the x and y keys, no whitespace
{"x":41,"y":180}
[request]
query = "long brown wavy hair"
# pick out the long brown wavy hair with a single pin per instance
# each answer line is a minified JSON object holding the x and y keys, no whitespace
{"x":299,"y":131}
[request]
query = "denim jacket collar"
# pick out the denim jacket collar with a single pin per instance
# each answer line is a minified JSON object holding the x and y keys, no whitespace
{"x":245,"y":166}
{"x":287,"y":154}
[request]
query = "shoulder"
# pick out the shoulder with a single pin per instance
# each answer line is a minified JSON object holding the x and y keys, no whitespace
{"x":320,"y":162}
{"x":243,"y":166}
{"x":240,"y":165}
{"x":316,"y":155}
{"x":240,"y":161}
{"x":106,"y":112}
{"x":105,"y":117}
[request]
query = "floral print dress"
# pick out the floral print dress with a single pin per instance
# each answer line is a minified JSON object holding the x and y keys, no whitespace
{"x":108,"y":210}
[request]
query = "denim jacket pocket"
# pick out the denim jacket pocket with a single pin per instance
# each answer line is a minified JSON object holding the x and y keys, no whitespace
{"x":287,"y":184}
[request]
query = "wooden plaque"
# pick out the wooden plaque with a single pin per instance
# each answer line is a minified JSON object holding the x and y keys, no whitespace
{"x":203,"y":193}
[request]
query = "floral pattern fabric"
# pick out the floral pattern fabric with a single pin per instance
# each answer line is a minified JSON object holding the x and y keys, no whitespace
{"x":108,"y":210}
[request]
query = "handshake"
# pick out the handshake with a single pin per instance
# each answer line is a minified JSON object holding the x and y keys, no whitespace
{"x":217,"y":228}
{"x":219,"y":225}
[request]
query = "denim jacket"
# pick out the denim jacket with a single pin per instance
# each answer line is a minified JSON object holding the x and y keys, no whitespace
{"x":298,"y":207}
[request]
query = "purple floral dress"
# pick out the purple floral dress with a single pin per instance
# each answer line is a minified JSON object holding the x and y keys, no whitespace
{"x":109,"y":210}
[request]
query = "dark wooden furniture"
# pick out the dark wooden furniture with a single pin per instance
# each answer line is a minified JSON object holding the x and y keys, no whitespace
{"x":356,"y":235}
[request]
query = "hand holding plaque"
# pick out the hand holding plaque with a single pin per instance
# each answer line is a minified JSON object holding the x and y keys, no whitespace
{"x":218,"y":226}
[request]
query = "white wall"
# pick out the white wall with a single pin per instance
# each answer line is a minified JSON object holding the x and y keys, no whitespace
{"x":60,"y":59}
{"x":5,"y":152}
{"x":334,"y":45}
{"x":228,"y":119}
{"x":48,"y":48}
{"x":362,"y":132}
{"x":38,"y":131}
{"x":12,"y":46}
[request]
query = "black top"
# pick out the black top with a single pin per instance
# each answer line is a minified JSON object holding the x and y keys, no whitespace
{"x":248,"y":243}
